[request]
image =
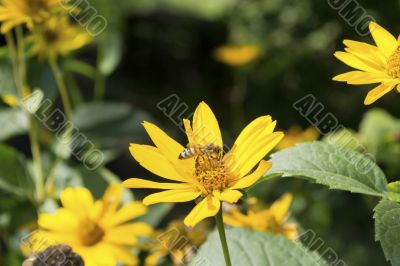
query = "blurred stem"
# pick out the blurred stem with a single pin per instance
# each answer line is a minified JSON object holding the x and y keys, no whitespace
{"x":237,"y":100}
{"x":222,"y":236}
{"x":33,"y":130}
{"x":62,"y":88}
{"x":75,"y":93}
{"x":100,"y":82}
{"x":14,"y":59}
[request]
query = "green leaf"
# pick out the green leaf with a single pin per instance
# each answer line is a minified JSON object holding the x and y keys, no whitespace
{"x":14,"y":177}
{"x":107,"y":123}
{"x":387,"y":229}
{"x":8,"y":86}
{"x":255,"y":248}
{"x":14,"y":122}
{"x":332,"y":166}
{"x":376,"y":126}
{"x":110,"y":53}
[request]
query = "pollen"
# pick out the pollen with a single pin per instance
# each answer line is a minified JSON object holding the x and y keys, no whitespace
{"x":210,"y":172}
{"x":393,"y":64}
{"x":90,"y":233}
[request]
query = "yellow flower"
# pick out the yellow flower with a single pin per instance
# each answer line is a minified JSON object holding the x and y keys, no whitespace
{"x":29,"y":12}
{"x":96,"y":230}
{"x":57,"y":36}
{"x":211,"y":176}
{"x":295,"y":135}
{"x":177,"y":241}
{"x":374,"y":64}
{"x":237,"y":55}
{"x":272,"y":220}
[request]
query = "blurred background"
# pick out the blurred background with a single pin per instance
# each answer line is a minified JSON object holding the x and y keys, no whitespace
{"x":153,"y":49}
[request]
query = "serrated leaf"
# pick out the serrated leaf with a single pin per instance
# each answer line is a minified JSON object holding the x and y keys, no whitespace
{"x":254,"y":249}
{"x":14,"y":177}
{"x":332,"y":166}
{"x":387,"y":229}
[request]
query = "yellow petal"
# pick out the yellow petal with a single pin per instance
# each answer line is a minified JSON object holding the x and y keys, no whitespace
{"x":208,"y":207}
{"x":128,"y":212}
{"x":253,"y":134}
{"x":229,"y":195}
{"x":122,"y":254}
{"x":63,"y":220}
{"x":77,"y":200}
{"x":252,"y":178}
{"x":174,"y":195}
{"x":279,"y":209}
{"x":205,"y":126}
{"x":150,"y":158}
{"x":246,"y":159}
{"x":368,"y":50}
{"x":112,"y":197}
{"x":141,"y":183}
{"x":356,"y":62}
{"x":170,"y":149}
{"x":235,"y":218}
{"x":360,"y":77}
{"x":378,"y":92}
{"x":384,"y":40}
{"x":127,"y":234}
{"x":154,"y":258}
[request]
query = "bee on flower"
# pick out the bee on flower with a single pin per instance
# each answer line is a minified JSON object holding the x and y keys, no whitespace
{"x":209,"y":177}
{"x":374,"y":64}
{"x":99,"y":231}
{"x":259,"y":218}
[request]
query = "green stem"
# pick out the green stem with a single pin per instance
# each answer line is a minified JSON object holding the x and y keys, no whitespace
{"x":61,"y":87}
{"x":37,"y":159}
{"x":14,"y":60}
{"x":20,"y":69}
{"x":222,"y":237}
{"x":99,"y":83}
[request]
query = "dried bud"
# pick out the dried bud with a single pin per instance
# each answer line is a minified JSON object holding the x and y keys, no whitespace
{"x":57,"y":255}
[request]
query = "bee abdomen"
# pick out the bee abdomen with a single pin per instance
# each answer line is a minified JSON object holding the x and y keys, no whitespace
{"x":187,"y":153}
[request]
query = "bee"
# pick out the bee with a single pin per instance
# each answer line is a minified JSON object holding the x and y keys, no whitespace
{"x":210,"y":150}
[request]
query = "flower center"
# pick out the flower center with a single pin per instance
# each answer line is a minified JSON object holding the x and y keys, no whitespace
{"x":90,"y":233}
{"x":393,"y":64}
{"x":210,"y":170}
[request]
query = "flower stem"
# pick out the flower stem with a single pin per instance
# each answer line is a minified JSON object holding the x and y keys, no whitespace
{"x":222,"y":237}
{"x":61,"y":87}
{"x":21,"y":79}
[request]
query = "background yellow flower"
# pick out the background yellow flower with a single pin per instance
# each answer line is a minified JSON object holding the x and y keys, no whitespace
{"x":237,"y":55}
{"x":374,"y":64}
{"x":16,"y":12}
{"x":57,"y":36}
{"x":96,"y":230}
{"x":295,"y":135}
{"x":272,"y":219}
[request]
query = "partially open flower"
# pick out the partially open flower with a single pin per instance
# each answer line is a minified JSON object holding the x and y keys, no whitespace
{"x":177,"y":241}
{"x":203,"y":171}
{"x":272,"y":219}
{"x":96,"y":230}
